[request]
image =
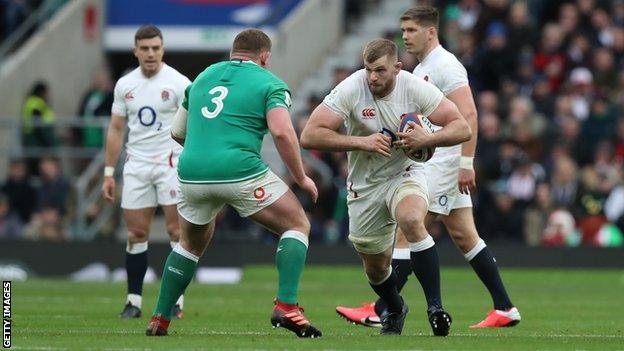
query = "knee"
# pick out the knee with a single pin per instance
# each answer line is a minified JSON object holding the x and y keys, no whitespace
{"x":413,"y":228}
{"x":302,"y":224}
{"x":464,"y":239}
{"x":174,"y":231}
{"x":377,"y":273}
{"x":137,"y":234}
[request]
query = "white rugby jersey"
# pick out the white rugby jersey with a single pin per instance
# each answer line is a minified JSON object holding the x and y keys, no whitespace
{"x":364,"y":115}
{"x":442,"y":69}
{"x":150,"y":104}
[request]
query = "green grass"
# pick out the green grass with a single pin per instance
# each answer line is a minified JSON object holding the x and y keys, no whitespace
{"x":561,"y":310}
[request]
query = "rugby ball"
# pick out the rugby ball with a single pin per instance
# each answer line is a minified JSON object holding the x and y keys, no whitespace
{"x":423,"y":154}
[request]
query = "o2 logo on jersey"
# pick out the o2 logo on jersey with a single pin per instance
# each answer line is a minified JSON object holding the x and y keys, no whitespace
{"x":147,"y":116}
{"x":217,"y":100}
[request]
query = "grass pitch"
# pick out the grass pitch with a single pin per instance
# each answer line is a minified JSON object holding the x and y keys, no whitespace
{"x":561,"y":310}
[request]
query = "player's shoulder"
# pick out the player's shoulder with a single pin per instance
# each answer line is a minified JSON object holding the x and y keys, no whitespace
{"x":271,"y":78}
{"x":405,"y":78}
{"x":130,"y":77}
{"x":172,"y":73}
{"x":354,"y":82}
{"x":448,"y":59}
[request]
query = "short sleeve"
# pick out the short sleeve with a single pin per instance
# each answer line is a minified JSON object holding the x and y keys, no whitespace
{"x":278,"y":96}
{"x":119,"y":103}
{"x":453,"y":76}
{"x":342,"y":98}
{"x":185,"y":100}
{"x":426,"y":95}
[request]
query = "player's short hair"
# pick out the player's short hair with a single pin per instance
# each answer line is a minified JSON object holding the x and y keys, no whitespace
{"x":379,"y":48}
{"x":424,"y":15}
{"x":252,"y":42}
{"x":147,"y":31}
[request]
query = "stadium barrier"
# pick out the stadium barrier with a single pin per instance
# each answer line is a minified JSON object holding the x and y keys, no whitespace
{"x":47,"y":259}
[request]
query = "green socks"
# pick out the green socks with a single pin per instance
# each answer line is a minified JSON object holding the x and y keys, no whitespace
{"x":177,"y":274}
{"x":290,"y":259}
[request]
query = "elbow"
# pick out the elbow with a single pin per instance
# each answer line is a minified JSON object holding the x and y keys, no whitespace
{"x":305,"y":141}
{"x":466,"y":132}
{"x":471,"y":117}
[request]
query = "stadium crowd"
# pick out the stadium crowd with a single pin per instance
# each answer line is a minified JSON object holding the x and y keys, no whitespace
{"x":548,"y":81}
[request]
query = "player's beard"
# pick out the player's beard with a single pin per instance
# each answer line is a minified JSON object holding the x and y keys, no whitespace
{"x":380,"y":91}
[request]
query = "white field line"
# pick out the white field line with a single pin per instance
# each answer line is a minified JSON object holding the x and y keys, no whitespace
{"x":214,"y":332}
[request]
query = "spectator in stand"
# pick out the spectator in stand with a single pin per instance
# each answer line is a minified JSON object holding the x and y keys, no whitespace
{"x":564,"y":182}
{"x":53,"y":193}
{"x":560,"y":230}
{"x":20,"y":191}
{"x":598,"y":127}
{"x":579,"y":50}
{"x":47,"y":225}
{"x":549,"y":58}
{"x":487,"y":147}
{"x":604,"y":69}
{"x":96,"y":103}
{"x":536,"y":215}
{"x":496,"y":58}
{"x":589,"y":209}
{"x":504,"y":221}
{"x":10,"y":224}
{"x":523,"y":181}
{"x":582,"y":92}
{"x":38,"y":118}
{"x":521,"y":31}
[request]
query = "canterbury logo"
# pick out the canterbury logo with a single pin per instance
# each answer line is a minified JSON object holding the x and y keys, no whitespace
{"x":368,"y":113}
{"x":175,"y":270}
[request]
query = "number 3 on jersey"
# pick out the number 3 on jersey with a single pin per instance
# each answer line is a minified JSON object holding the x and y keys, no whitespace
{"x":217,"y":100}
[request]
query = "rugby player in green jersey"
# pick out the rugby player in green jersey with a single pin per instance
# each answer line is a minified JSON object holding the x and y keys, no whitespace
{"x":225,"y":114}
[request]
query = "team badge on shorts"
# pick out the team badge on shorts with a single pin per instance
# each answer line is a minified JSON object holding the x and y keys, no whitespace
{"x":259,"y":193}
{"x":164,"y":95}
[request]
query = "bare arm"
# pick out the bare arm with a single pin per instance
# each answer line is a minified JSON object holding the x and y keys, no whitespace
{"x":321,"y":133}
{"x":285,"y":138}
{"x":178,"y":128}
{"x":114,"y":141}
{"x":462,"y":97}
{"x":455,"y":129}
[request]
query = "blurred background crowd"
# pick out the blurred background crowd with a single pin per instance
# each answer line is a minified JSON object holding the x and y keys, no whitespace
{"x":549,"y":87}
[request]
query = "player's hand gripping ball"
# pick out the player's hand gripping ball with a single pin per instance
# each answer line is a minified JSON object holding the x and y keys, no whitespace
{"x":423,"y":154}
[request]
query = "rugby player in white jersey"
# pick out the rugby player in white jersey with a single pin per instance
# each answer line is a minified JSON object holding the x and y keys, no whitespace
{"x":387,"y":189}
{"x":146,"y":100}
{"x":450,"y":176}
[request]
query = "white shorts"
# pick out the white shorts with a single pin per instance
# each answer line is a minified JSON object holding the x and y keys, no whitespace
{"x":200,"y":203}
{"x":442,"y":178}
{"x":147,"y":184}
{"x":371,"y":210}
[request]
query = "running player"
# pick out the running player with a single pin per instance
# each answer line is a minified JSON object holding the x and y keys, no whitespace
{"x":229,"y":109}
{"x":146,"y":100}
{"x":450,"y":174}
{"x":387,"y":189}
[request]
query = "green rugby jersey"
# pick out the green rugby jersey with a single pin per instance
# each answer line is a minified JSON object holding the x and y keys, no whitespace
{"x":227,"y":106}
